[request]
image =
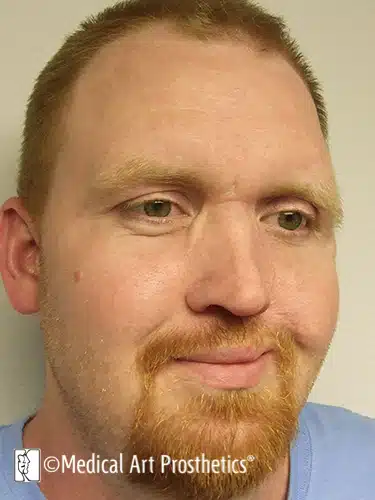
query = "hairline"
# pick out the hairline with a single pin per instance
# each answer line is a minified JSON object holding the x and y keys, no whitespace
{"x":190,"y":27}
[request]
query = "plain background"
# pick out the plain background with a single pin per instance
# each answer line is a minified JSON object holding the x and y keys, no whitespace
{"x":339,"y":39}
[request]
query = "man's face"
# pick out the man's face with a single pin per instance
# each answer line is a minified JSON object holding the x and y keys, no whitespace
{"x":23,"y":463}
{"x":127,"y":291}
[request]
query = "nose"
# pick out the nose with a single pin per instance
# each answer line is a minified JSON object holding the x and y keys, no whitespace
{"x":230,"y":267}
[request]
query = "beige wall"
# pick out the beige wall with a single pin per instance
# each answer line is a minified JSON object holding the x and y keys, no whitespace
{"x":339,"y":37}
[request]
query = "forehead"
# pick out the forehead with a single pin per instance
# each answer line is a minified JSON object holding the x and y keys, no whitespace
{"x":172,"y":69}
{"x":157,"y":93}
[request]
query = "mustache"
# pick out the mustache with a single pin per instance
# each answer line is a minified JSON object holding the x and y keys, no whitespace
{"x":167,"y":345}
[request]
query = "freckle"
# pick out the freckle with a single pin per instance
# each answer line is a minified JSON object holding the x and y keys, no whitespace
{"x":77,"y":276}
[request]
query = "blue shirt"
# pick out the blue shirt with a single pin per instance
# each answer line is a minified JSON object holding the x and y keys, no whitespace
{"x":332,"y":457}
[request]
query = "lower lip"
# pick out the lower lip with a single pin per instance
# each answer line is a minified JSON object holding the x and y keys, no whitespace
{"x":228,"y":376}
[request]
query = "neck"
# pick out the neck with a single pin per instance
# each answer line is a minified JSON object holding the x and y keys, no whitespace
{"x":53,"y":431}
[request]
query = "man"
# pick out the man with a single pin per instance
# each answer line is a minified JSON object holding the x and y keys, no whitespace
{"x":23,"y":465}
{"x":182,"y":342}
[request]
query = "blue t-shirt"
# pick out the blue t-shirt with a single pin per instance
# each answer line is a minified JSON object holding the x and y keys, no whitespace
{"x":332,"y":457}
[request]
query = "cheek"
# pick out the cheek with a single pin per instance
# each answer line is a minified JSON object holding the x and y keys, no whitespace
{"x":311,"y":308}
{"x":118,"y":295}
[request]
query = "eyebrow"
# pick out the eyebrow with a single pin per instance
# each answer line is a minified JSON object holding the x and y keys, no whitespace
{"x":323,"y":195}
{"x":132,"y":172}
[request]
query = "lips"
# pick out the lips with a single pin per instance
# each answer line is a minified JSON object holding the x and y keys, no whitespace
{"x":238,"y":368}
{"x":226,"y":356}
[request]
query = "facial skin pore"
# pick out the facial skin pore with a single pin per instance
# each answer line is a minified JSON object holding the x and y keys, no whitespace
{"x":120,"y":294}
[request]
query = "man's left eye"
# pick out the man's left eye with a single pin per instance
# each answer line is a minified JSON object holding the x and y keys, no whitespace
{"x":157,"y":208}
{"x":292,"y":220}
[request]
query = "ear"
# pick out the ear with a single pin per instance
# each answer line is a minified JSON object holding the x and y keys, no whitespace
{"x":19,"y":257}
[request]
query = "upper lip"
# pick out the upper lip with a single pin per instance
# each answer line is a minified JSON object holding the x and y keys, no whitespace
{"x":227,"y":356}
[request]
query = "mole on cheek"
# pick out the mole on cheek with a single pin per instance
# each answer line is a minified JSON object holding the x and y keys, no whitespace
{"x":77,"y":276}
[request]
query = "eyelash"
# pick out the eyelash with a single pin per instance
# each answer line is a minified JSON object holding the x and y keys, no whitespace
{"x":126,"y":207}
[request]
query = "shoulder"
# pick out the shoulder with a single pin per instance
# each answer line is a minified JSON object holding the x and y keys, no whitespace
{"x":339,"y":426}
{"x":10,"y":440}
{"x":7,"y":432}
{"x":341,"y":452}
{"x":11,"y":434}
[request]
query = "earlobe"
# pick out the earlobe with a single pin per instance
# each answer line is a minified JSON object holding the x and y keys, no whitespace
{"x":19,"y":257}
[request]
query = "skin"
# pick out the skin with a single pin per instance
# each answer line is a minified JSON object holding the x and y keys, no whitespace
{"x":106,"y":284}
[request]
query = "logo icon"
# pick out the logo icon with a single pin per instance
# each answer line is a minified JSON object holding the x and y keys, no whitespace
{"x":27,"y":465}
